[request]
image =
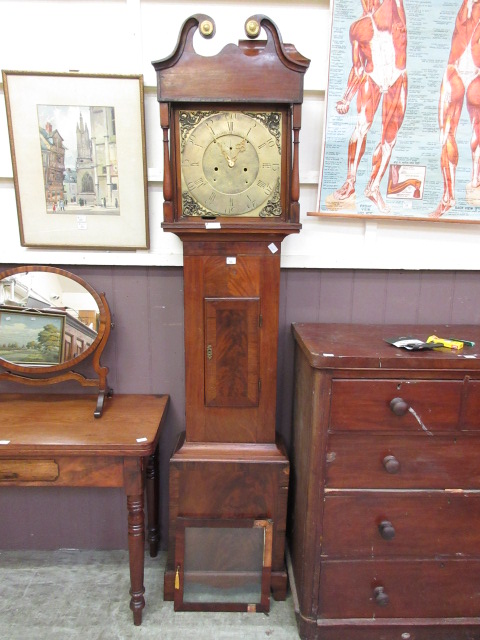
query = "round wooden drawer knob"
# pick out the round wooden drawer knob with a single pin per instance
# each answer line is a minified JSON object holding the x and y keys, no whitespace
{"x":399,"y":406}
{"x":391,"y":464}
{"x":381,"y":597}
{"x":387,"y":530}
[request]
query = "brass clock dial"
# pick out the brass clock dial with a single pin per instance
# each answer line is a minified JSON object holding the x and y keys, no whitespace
{"x":231,"y":163}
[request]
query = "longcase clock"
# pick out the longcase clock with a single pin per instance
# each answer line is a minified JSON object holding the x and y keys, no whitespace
{"x":231,"y":127}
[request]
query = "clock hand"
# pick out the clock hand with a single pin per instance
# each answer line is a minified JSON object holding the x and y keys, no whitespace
{"x":229,"y":160}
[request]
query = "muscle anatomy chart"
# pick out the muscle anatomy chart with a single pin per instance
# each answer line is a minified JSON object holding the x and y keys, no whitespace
{"x":402,"y":124}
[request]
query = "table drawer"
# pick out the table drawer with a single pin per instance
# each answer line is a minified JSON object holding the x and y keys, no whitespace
{"x":365,"y":405}
{"x":395,"y":462}
{"x":64,"y":471}
{"x":427,"y":589}
{"x":382,"y":524}
{"x":28,"y":470}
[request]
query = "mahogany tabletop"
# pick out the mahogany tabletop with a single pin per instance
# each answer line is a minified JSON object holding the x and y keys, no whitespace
{"x":39,"y":424}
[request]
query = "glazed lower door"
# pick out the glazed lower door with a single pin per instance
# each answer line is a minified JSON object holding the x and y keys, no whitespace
{"x":223,"y":564}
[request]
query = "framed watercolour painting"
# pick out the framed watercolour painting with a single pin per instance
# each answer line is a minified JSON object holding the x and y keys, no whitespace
{"x":78,"y":153}
{"x":401,"y":134}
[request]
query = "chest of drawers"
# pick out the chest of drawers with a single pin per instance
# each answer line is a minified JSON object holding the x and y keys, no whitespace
{"x":384,"y":531}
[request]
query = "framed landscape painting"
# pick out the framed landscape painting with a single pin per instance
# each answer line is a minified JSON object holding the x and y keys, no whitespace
{"x":78,"y":153}
{"x":32,"y":337}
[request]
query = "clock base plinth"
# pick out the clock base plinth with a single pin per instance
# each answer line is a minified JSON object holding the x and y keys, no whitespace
{"x":230,"y":481}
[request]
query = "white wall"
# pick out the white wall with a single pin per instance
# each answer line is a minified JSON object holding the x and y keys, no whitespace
{"x":123,"y":37}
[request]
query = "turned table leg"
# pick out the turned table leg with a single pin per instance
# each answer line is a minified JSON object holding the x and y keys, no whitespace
{"x":151,"y":482}
{"x":136,"y":544}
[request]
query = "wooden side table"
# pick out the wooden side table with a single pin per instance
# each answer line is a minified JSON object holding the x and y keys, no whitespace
{"x":54,"y":440}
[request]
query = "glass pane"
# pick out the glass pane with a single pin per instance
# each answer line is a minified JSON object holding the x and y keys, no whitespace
{"x":223,"y":564}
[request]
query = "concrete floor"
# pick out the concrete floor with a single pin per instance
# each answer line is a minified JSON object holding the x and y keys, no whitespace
{"x":70,"y":594}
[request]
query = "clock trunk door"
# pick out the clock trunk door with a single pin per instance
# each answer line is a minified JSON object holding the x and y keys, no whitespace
{"x":231,"y":328}
{"x":232,"y":373}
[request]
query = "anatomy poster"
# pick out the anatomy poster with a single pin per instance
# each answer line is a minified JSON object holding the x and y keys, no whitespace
{"x":402,"y":127}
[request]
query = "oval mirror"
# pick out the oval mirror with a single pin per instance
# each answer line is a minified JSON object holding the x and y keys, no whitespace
{"x":50,"y":320}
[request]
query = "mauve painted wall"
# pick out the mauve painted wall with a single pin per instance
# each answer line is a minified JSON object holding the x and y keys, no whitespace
{"x":145,"y":355}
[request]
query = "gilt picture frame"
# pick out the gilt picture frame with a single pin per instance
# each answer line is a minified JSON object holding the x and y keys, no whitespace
{"x":78,"y":155}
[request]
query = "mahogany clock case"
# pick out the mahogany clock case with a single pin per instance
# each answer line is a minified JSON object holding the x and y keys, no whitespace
{"x":231,"y":188}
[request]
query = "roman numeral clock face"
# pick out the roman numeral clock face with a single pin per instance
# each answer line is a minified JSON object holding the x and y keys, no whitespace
{"x":231,"y":163}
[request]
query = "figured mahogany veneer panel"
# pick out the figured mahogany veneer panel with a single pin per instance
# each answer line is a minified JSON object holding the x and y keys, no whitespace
{"x":365,"y":405}
{"x":230,"y":490}
{"x":232,"y":360}
{"x":377,"y":524}
{"x":424,"y":462}
{"x":240,"y":279}
{"x":415,"y":588}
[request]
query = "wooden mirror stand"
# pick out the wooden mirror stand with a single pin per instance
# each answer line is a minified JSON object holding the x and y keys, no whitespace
{"x":50,"y":321}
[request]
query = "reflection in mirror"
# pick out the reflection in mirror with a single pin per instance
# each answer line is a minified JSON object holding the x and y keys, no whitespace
{"x":45,"y":318}
{"x":50,"y":321}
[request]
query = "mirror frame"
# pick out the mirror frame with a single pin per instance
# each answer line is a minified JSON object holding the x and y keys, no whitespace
{"x":42,"y":374}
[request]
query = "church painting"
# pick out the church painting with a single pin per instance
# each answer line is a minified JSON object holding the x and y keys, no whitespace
{"x":79,"y":159}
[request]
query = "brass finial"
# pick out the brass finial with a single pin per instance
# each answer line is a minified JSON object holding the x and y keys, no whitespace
{"x":206,"y":28}
{"x":252,"y":28}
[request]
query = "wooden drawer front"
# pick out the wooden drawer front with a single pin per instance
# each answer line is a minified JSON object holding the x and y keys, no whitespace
{"x":423,"y":462}
{"x":424,"y":589}
{"x":28,"y":471}
{"x":64,"y":471}
{"x":373,"y":525}
{"x":365,"y":405}
{"x":472,"y":406}
{"x":91,"y":471}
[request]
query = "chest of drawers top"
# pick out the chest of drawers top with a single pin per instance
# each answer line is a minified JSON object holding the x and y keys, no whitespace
{"x":345,"y":346}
